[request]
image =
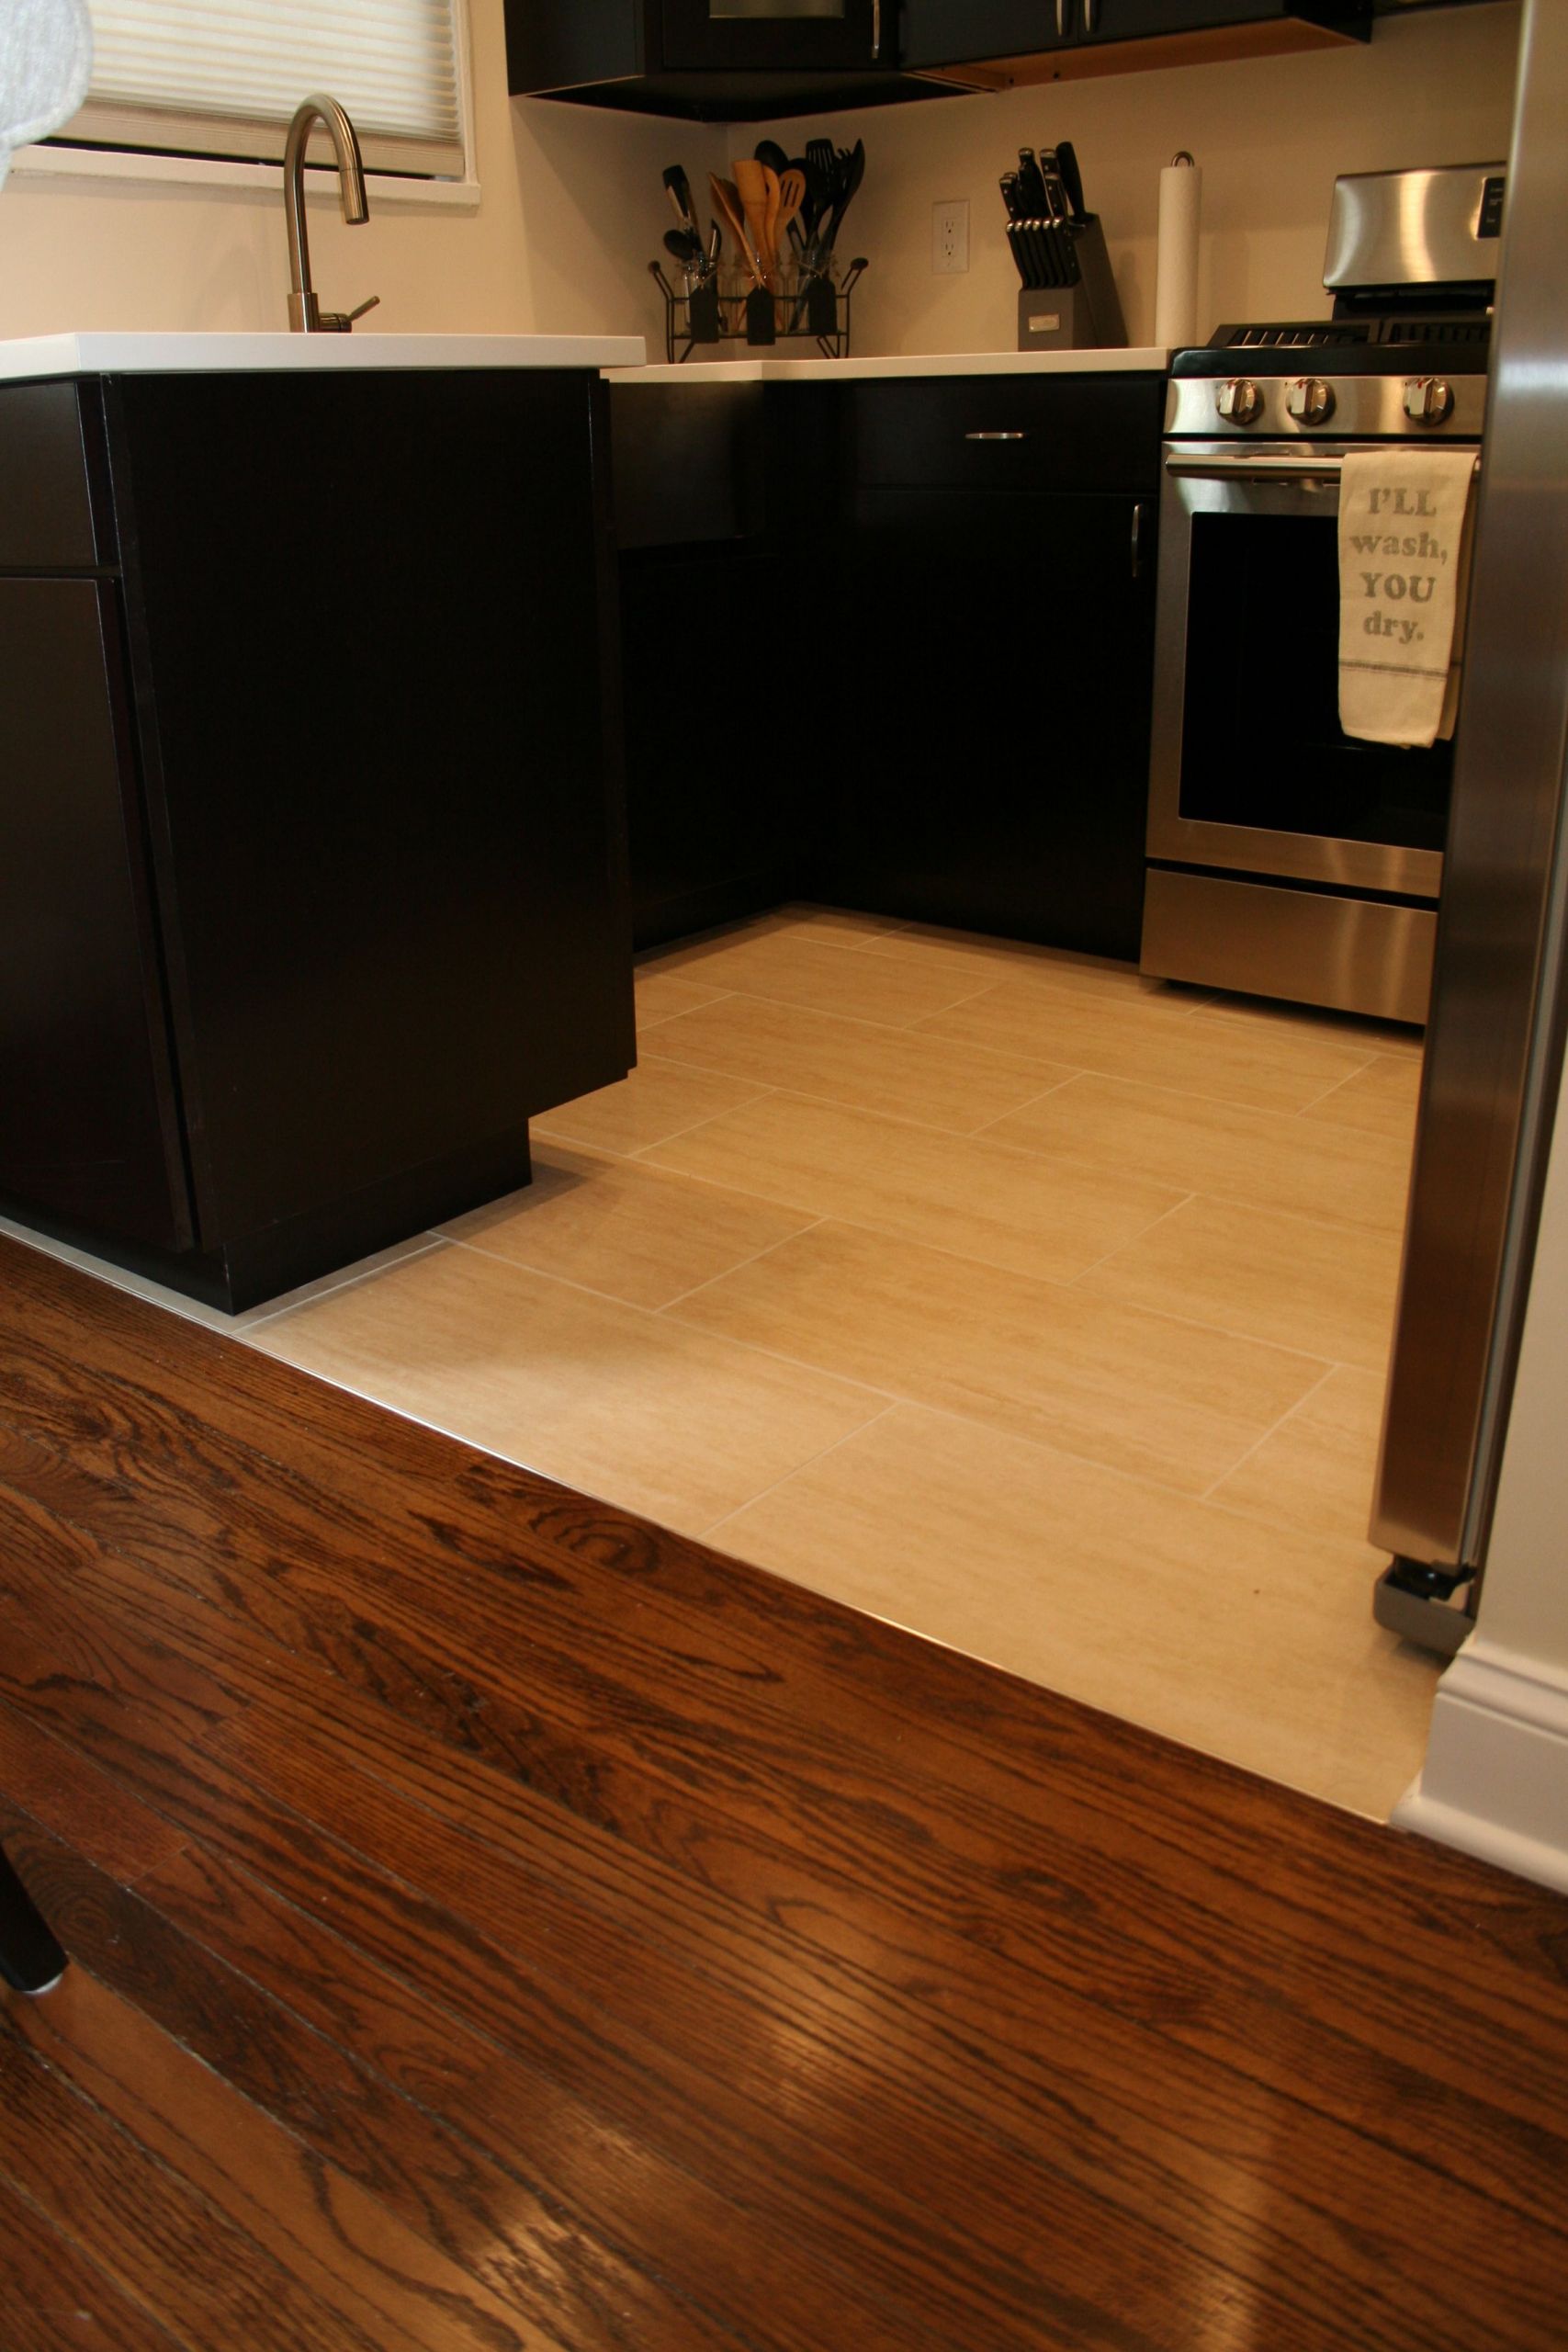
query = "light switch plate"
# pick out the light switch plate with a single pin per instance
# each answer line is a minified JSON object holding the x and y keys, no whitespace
{"x":950,"y":237}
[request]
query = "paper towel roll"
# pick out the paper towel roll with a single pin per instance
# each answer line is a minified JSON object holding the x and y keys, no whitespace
{"x":1176,"y":268}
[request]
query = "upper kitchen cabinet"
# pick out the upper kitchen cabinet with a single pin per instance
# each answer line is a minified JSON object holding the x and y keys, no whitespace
{"x":995,"y":44}
{"x":720,"y":61}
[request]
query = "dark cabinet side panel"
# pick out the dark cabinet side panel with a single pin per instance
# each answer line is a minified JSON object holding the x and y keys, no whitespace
{"x":998,"y":780}
{"x":47,"y":517}
{"x":87,"y":1124}
{"x":374,"y":671}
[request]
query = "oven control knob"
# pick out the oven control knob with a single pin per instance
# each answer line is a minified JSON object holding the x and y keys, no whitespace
{"x":1428,"y":401}
{"x":1240,"y":401}
{"x":1310,"y":400}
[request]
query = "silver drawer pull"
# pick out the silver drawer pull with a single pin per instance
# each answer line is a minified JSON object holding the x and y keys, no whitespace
{"x":996,"y":436}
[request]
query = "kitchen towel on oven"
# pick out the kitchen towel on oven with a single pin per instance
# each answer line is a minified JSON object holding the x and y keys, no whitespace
{"x":1403,"y":517}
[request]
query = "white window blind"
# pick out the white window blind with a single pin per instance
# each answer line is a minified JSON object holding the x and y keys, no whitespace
{"x":223,"y":77}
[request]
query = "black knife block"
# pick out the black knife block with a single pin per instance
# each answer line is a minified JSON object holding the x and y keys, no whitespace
{"x":1085,"y":317}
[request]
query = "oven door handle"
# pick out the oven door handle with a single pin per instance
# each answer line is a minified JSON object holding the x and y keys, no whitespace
{"x":1304,"y":470}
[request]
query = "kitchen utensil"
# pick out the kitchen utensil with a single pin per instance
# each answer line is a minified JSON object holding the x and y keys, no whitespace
{"x":791,"y":193}
{"x":819,"y":194}
{"x":771,"y":218}
{"x":688,"y":250}
{"x":751,"y":186}
{"x":1031,"y":185}
{"x":853,"y":173}
{"x":1059,"y":232}
{"x":1072,"y":180}
{"x":1011,"y":197}
{"x":679,"y":189}
{"x":727,"y":205}
{"x":769,"y":152}
{"x":822,"y":156}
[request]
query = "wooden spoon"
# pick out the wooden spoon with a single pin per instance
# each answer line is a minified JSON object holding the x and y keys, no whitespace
{"x":727,"y":204}
{"x":751,"y":181}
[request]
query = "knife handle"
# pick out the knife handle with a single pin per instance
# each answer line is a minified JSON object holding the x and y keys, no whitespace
{"x":1072,"y":179}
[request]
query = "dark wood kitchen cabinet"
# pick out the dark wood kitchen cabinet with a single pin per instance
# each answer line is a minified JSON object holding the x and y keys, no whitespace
{"x":313,"y":882}
{"x":717,"y":61}
{"x":1000,"y":574}
{"x":992,"y":44}
{"x":726,"y":513}
{"x":890,"y":644}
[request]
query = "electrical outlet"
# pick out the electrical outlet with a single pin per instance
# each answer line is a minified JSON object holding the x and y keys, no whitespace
{"x":950,"y":237}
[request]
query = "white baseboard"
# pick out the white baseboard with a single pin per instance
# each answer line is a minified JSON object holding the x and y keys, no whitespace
{"x":1496,"y":1779}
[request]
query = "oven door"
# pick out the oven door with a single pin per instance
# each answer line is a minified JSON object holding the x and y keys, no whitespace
{"x":1251,"y":769}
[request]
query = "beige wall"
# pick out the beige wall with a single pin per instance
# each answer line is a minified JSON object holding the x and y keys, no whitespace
{"x":1271,"y":136}
{"x":572,"y":210}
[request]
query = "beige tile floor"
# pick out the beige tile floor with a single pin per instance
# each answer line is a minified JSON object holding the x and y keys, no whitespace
{"x":1035,"y":1307}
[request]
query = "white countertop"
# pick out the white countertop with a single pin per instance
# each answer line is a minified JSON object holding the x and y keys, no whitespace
{"x":149,"y":355}
{"x":1142,"y":360}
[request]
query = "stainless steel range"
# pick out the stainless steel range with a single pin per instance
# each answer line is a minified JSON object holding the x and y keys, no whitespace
{"x":1287,"y":858}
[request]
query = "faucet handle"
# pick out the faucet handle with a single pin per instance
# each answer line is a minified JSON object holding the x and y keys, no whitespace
{"x":341,"y":322}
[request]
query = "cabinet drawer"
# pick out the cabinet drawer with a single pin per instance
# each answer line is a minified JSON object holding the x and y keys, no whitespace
{"x":45,"y":507}
{"x":1010,"y":432}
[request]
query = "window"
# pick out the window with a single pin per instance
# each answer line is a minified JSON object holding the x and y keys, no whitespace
{"x":222,"y":78}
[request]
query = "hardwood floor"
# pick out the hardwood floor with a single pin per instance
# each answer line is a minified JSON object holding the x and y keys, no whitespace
{"x":499,"y":1923}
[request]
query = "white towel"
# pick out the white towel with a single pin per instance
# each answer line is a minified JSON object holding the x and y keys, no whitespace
{"x":1404,"y":551}
{"x":46,"y":61}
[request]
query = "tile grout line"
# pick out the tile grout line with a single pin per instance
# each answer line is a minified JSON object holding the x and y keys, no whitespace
{"x":582,"y":1143}
{"x":656,"y":1020}
{"x":755,"y":1258}
{"x":1142,"y":1235}
{"x":1287,"y":1415}
{"x":892,"y":1406}
{"x":868,"y":1110}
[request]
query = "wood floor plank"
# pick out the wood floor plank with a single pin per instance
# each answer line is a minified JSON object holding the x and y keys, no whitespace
{"x":78,"y":1801}
{"x":341,"y":2243}
{"x":965,"y":2018}
{"x":56,"y":2298}
{"x":584,"y":2262}
{"x":158,"y":2238}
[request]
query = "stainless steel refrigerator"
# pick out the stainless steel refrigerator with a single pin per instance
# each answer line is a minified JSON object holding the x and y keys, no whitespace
{"x":1500,"y":990}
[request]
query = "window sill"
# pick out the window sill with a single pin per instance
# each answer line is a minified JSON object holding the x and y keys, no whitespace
{"x":219,"y":178}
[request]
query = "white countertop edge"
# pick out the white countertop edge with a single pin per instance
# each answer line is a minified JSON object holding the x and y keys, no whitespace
{"x":1143,"y":359}
{"x":112,"y":353}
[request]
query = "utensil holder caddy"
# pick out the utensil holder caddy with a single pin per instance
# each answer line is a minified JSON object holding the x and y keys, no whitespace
{"x":817,"y":313}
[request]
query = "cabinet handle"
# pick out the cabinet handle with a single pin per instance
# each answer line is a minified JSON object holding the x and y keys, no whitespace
{"x":1061,"y":19}
{"x":1091,"y":16}
{"x":875,"y":30}
{"x":1136,"y":547}
{"x":996,"y":436}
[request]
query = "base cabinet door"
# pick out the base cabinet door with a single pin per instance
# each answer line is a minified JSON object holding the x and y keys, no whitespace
{"x":999,"y":738}
{"x":88,"y":1128}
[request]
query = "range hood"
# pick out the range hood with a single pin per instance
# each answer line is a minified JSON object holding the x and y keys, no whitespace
{"x":623,"y":54}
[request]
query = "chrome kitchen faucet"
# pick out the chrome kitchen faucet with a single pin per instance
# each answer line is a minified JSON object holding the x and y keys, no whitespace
{"x":306,"y":315}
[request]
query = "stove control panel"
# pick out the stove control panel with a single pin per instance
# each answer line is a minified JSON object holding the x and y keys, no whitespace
{"x":1429,"y":400}
{"x":1289,"y":407}
{"x":1238,"y":401}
